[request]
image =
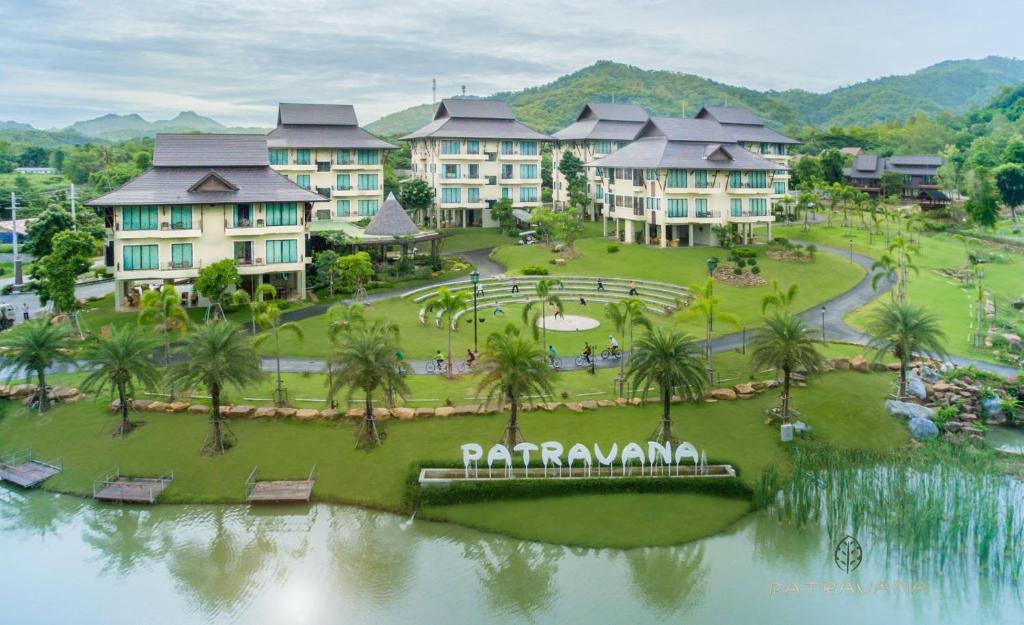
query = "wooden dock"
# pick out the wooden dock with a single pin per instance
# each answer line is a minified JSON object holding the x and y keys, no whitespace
{"x":278,"y":491}
{"x":23,"y":469}
{"x":123,"y":489}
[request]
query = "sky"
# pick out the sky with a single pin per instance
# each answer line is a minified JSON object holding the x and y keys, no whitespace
{"x":234,"y":61}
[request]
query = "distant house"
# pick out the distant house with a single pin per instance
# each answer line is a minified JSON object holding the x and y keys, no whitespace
{"x":21,"y":227}
{"x":35,"y":170}
{"x":920,"y":179}
{"x":851,"y":151}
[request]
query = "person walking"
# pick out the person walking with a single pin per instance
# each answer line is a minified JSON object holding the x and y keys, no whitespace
{"x":600,"y":284}
{"x":498,"y":310}
{"x":24,"y":311}
{"x":632,"y":289}
{"x":583,"y":301}
{"x":515,"y":285}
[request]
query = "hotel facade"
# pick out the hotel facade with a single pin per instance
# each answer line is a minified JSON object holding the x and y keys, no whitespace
{"x":474,"y":153}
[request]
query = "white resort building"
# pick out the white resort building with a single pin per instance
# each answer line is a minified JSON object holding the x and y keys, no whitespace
{"x":206,"y":198}
{"x":474,"y":153}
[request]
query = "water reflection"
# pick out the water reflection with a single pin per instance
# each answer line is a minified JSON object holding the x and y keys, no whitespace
{"x":124,"y":537}
{"x":517,"y":577}
{"x":668,"y":578}
{"x":38,"y":515}
{"x":371,"y":554}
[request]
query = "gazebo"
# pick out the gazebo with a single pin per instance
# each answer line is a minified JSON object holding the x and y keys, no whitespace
{"x":390,"y":227}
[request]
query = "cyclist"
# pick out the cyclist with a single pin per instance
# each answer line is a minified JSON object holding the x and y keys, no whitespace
{"x":439,"y":360}
{"x":588,"y":352}
{"x":552,"y":355}
{"x":470,"y":358}
{"x":400,"y":357}
{"x":613,"y":345}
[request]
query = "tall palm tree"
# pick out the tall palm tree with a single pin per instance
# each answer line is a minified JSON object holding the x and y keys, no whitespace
{"x":33,"y":347}
{"x":885,"y":269}
{"x":778,"y":298}
{"x":255,"y":302}
{"x":513,"y":367}
{"x":625,"y":316}
{"x":902,"y":330}
{"x":118,"y":363}
{"x":217,"y":355}
{"x":448,"y":304}
{"x":365,"y":360}
{"x":785,"y":343}
{"x":341,"y":318}
{"x":163,"y":309}
{"x":270,"y":321}
{"x":544,"y":296}
{"x":705,"y":306}
{"x":669,"y":360}
{"x":902,"y":251}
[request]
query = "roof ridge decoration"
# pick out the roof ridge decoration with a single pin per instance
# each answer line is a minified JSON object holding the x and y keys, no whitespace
{"x":212,"y":182}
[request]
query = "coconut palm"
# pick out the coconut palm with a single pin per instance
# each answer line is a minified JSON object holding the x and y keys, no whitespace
{"x":270,"y":321}
{"x":33,"y":347}
{"x":705,"y":306}
{"x":364,"y":359}
{"x":785,"y":343}
{"x":513,"y":367}
{"x":902,"y":330}
{"x":163,"y":309}
{"x":255,"y":302}
{"x":448,"y":303}
{"x":778,"y":298}
{"x":625,"y":316}
{"x":536,"y":310}
{"x":342,"y":318}
{"x":120,"y":363}
{"x":671,"y":361}
{"x":217,"y":355}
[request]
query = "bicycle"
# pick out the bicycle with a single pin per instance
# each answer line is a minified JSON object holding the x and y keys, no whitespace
{"x":554,"y":363}
{"x":581,"y":361}
{"x":613,"y":353}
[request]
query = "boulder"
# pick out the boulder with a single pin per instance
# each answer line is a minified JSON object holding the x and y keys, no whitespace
{"x":424,"y":413}
{"x":21,"y":390}
{"x":771,"y":383}
{"x":635,"y":401}
{"x":177,"y":406}
{"x":943,"y":387}
{"x":444,"y":411}
{"x":860,"y":363}
{"x":307,"y":414}
{"x":198,"y":409}
{"x":559,"y":261}
{"x":893,"y":366}
{"x":606,"y":403}
{"x":225,"y":411}
{"x":266,"y":412}
{"x":588,"y":405}
{"x":403,"y":414}
{"x":552,"y":405}
{"x":908,"y":410}
{"x":355,"y":413}
{"x":746,"y":396}
{"x":992,"y":408}
{"x":915,"y":387}
{"x":758,"y":386}
{"x":723,"y":393}
{"x":929,"y":374}
{"x":140,"y":404}
{"x":243,"y":411}
{"x":64,"y":393}
{"x":574,"y":406}
{"x":289,"y":413}
{"x":841,"y":363}
{"x":466,"y":410}
{"x":381,"y":414}
{"x":621,"y":401}
{"x":329,"y":413}
{"x":157,"y":406}
{"x":921,"y":428}
{"x":953,"y":426}
{"x":743,"y":389}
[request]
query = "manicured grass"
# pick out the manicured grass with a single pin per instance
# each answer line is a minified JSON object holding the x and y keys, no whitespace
{"x":469,"y":239}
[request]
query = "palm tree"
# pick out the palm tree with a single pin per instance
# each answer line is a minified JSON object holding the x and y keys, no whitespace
{"x":270,"y":320}
{"x":884,"y":270}
{"x":785,"y":343}
{"x":901,"y":252}
{"x":163,"y":308}
{"x":217,"y":355}
{"x":365,"y":360}
{"x":33,"y":347}
{"x":778,"y":298}
{"x":513,"y":367}
{"x":448,"y":304}
{"x":342,"y":318}
{"x":704,"y":305}
{"x":255,"y":302}
{"x":544,"y":297}
{"x":670,"y":360}
{"x":119,"y":362}
{"x":903,"y":329}
{"x":625,"y":316}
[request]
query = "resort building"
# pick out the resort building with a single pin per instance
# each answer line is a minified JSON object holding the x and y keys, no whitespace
{"x":680,"y":178}
{"x":206,"y":198}
{"x":917,"y":175}
{"x":322,"y":148}
{"x":474,"y":153}
{"x":600,"y":129}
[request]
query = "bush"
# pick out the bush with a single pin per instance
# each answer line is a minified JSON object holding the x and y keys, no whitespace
{"x":741,"y":263}
{"x":535,"y":270}
{"x":7,"y":289}
{"x":613,"y":249}
{"x":752,"y":262}
{"x":781,"y":241}
{"x":738,"y":271}
{"x":755,"y":270}
{"x":744,"y":252}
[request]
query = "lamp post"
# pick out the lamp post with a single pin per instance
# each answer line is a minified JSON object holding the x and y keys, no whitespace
{"x":851,"y":251}
{"x":712,"y":263}
{"x":475,"y":278}
{"x":822,"y":324}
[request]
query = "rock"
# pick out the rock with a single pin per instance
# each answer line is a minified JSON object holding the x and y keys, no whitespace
{"x":841,"y":363}
{"x":64,"y":393}
{"x":992,"y":409}
{"x":225,"y":411}
{"x":177,"y":406}
{"x":622,"y":401}
{"x":908,"y":410}
{"x":921,"y":428}
{"x":972,"y":430}
{"x":953,"y":426}
{"x":588,"y":405}
{"x":552,"y":405}
{"x":381,"y":414}
{"x":243,"y":411}
{"x":860,"y":363}
{"x":943,"y":387}
{"x":758,"y":386}
{"x":946,"y":367}
{"x":424,"y":413}
{"x":157,"y":406}
{"x":444,"y":411}
{"x":354,"y":413}
{"x":635,"y":401}
{"x":199,"y":409}
{"x":289,"y":413}
{"x":915,"y":387}
{"x":969,"y":416}
{"x":743,"y":389}
{"x":771,"y":383}
{"x":559,"y":261}
{"x":265,"y":412}
{"x":307,"y":414}
{"x":115,"y":405}
{"x":929,"y":374}
{"x":723,"y":393}
{"x":893,"y":366}
{"x":403,"y":414}
{"x":140,"y":404}
{"x":606,"y":403}
{"x":747,"y":395}
{"x":574,"y":406}
{"x":466,"y":410}
{"x":710,"y":401}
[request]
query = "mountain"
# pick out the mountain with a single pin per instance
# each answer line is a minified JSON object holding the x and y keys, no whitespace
{"x":112,"y":127}
{"x":13,"y":125}
{"x":952,"y":86}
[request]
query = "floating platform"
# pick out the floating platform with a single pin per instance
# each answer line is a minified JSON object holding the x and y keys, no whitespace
{"x":444,"y":477}
{"x":278,"y":491}
{"x":123,"y":489}
{"x":22,"y":469}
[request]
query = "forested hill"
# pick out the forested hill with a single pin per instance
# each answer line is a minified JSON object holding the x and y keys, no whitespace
{"x":952,"y":86}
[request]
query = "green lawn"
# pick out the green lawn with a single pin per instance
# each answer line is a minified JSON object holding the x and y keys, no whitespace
{"x":469,"y":239}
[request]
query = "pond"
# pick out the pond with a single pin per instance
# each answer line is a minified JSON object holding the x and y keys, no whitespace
{"x":69,"y":560}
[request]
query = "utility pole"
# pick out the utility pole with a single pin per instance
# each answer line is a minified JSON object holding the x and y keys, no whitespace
{"x":14,"y":241}
{"x":433,"y":82}
{"x":74,"y":223}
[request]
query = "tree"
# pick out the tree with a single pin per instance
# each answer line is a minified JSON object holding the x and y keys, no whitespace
{"x":705,"y":306}
{"x":163,"y":309}
{"x":895,"y":266}
{"x":447,"y":304}
{"x":891,"y":183}
{"x":365,"y":359}
{"x":355,"y":269}
{"x":416,"y":196}
{"x":71,"y":255}
{"x":216,"y":356}
{"x":536,"y":310}
{"x":40,"y":233}
{"x":215,"y":279}
{"x":806,"y":171}
{"x":342,"y":318}
{"x":34,"y":347}
{"x":832,"y":162}
{"x":501,"y":212}
{"x":270,"y":320}
{"x":785,"y":343}
{"x":566,"y":227}
{"x":983,"y":206}
{"x":513,"y":367}
{"x":778,"y":298}
{"x":625,"y":316}
{"x":1010,"y":182}
{"x":576,"y":180}
{"x":119,"y":363}
{"x":255,"y":302}
{"x":327,"y":270}
{"x":668,"y":360}
{"x":902,"y":330}
{"x":1014,"y":152}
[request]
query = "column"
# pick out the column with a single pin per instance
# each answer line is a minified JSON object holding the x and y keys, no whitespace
{"x":690,"y":242}
{"x":647,"y":232}
{"x":664,"y":235}
{"x":118,"y":297}
{"x":604,"y":224}
{"x":630,"y":231}
{"x":769,"y":232}
{"x":616,"y":228}
{"x":300,"y":283}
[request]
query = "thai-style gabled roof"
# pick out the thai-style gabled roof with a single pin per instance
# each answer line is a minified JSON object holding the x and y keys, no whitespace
{"x":457,"y":118}
{"x":331,"y":126}
{"x":391,"y":220}
{"x":604,"y":121}
{"x":316,"y":114}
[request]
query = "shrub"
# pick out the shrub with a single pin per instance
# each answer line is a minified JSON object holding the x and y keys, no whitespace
{"x":745,"y":252}
{"x":738,"y":271}
{"x":7,"y":289}
{"x":752,"y":262}
{"x":781,"y":241}
{"x":535,"y":270}
{"x":755,"y":270}
{"x":741,"y":263}
{"x":613,"y":249}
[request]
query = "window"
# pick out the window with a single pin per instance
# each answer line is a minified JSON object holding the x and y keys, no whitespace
{"x":736,"y":207}
{"x":473,"y":147}
{"x":367,"y":182}
{"x":322,"y":166}
{"x":677,"y":179}
{"x":367,"y":208}
{"x":779,"y":187}
{"x":450,"y":147}
{"x":368,"y":157}
{"x":527,"y":194}
{"x":506,"y":147}
{"x":278,"y":157}
{"x":302,"y":157}
{"x":757,"y":180}
{"x":344,"y":157}
{"x":451,"y":195}
{"x":599,"y":192}
{"x":241,"y":216}
{"x":344,"y":183}
{"x":735,"y":180}
{"x":139,"y":218}
{"x":759,"y":207}
{"x":449,"y":171}
{"x":181,"y":255}
{"x":138,"y":257}
{"x":528,"y":148}
{"x":702,"y":207}
{"x":700,"y":179}
{"x":528,"y":172}
{"x":506,"y":193}
{"x":282,"y":251}
{"x":602,"y":147}
{"x":678,"y":208}
{"x":302,"y":180}
{"x":650,"y":174}
{"x":473,"y":194}
{"x":243,"y":252}
{"x":506,"y":172}
{"x":344,"y":208}
{"x":474,"y":171}
{"x":181,"y":217}
{"x":282,"y":214}
{"x":654,"y":203}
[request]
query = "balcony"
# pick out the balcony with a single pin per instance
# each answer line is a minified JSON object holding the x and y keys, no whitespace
{"x":166,"y":230}
{"x":747,"y":216}
{"x":243,"y":228}
{"x":350,"y":191}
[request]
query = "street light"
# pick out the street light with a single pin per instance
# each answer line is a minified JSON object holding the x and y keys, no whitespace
{"x":822,"y":324}
{"x":475,"y":278}
{"x":851,"y":251}
{"x":712,"y":263}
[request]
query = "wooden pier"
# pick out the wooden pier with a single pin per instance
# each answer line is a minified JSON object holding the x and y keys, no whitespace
{"x":120,"y":488}
{"x":23,"y":469}
{"x":278,"y":491}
